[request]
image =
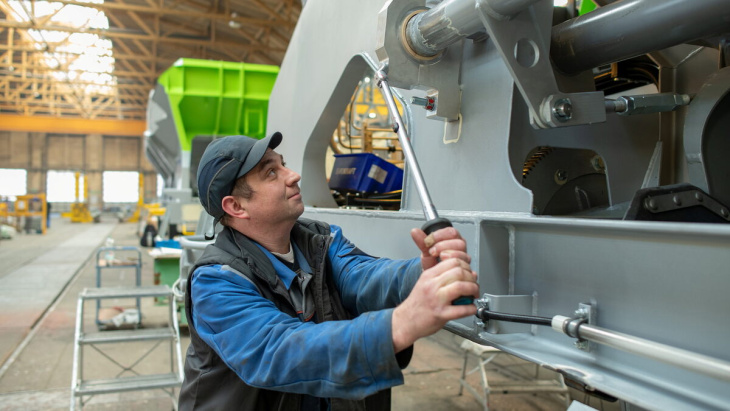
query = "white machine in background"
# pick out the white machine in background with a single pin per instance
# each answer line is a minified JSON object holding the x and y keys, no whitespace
{"x":605,"y":216}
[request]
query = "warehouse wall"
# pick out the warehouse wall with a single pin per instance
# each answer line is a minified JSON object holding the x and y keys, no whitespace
{"x":91,"y":154}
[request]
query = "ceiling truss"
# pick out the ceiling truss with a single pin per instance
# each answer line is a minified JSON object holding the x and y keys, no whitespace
{"x":147,"y":36}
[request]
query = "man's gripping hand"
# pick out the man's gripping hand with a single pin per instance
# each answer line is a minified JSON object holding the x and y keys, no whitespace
{"x":429,"y":306}
{"x":440,"y":245}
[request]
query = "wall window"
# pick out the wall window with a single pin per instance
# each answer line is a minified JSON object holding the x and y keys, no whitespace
{"x":120,"y":186}
{"x":13,"y":182}
{"x":61,"y":187}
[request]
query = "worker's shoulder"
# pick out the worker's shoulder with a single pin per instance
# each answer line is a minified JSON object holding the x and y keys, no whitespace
{"x":215,"y":275}
{"x":318,"y":227}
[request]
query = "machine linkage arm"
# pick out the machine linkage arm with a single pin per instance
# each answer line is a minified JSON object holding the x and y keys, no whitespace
{"x":522,"y":32}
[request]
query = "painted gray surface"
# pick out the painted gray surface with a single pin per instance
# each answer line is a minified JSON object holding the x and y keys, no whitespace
{"x":665,"y":282}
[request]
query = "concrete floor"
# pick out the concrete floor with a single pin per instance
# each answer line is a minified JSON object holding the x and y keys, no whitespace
{"x":42,"y":275}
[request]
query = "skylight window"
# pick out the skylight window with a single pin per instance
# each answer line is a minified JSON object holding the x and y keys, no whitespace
{"x":84,"y":58}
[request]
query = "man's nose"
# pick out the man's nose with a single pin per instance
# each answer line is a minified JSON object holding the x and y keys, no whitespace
{"x":293,"y":176}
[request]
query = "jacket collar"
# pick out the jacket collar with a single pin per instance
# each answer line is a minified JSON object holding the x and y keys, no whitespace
{"x":238,"y":245}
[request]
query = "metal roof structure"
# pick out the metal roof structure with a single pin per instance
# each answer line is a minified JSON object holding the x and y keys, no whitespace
{"x":99,"y":59}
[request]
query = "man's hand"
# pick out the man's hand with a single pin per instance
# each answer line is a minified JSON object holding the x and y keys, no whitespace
{"x":442,"y":244}
{"x":428,"y":308}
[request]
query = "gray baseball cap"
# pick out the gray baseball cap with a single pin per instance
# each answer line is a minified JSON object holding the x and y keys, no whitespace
{"x":224,"y":161}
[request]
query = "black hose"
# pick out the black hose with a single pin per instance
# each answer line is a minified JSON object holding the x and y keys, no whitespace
{"x":486,"y":315}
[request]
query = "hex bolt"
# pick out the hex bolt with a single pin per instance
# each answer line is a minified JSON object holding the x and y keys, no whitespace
{"x":677,"y":200}
{"x":723,"y":212}
{"x":428,"y":103}
{"x":419,"y":101}
{"x":698,"y":197}
{"x":563,"y":109}
{"x":561,"y":176}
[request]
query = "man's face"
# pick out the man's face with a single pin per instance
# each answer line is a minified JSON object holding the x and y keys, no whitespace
{"x":276,"y":195}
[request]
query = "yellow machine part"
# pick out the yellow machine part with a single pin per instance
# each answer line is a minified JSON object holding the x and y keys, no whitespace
{"x":80,"y":211}
{"x":31,"y":205}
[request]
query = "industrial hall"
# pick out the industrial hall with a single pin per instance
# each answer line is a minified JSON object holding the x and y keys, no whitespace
{"x":326,"y":205}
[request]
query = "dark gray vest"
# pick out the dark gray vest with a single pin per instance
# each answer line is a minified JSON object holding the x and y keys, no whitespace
{"x":209,"y":384}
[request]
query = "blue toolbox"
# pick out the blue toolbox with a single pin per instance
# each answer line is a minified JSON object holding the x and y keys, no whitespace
{"x":365,"y":173}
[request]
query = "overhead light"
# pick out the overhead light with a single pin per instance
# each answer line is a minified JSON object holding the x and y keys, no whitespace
{"x":234,"y":24}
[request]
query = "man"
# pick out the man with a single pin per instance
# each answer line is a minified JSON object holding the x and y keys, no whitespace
{"x":286,"y":313}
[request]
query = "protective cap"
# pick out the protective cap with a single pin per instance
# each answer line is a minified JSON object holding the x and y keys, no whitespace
{"x":224,"y":161}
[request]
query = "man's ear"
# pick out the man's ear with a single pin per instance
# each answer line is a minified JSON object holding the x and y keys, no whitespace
{"x":232,"y":206}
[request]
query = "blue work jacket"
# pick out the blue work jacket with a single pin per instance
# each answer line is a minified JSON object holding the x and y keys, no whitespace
{"x":272,"y":350}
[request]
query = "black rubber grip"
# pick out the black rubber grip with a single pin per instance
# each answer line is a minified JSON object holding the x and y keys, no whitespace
{"x":435,"y":225}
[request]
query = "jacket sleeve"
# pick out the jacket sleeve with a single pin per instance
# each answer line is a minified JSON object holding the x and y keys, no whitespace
{"x":368,"y":283}
{"x":271,"y":350}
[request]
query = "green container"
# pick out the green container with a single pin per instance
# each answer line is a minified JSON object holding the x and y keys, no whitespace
{"x":586,"y":6}
{"x":166,"y":271}
{"x":218,"y":98}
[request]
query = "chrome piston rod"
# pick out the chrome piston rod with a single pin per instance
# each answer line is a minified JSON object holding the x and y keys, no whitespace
{"x":614,"y":32}
{"x":430,"y":32}
{"x":677,"y":357}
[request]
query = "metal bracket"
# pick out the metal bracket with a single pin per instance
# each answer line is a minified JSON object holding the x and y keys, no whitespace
{"x":586,"y":312}
{"x":524,"y":44}
{"x":684,"y":199}
{"x":438,"y":76}
{"x":481,"y":303}
{"x":513,"y":304}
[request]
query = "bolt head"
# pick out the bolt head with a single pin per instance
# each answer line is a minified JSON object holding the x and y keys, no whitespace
{"x":650,"y":204}
{"x":597,"y":163}
{"x":563,"y":109}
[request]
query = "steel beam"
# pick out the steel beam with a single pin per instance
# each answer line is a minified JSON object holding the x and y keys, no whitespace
{"x":72,"y":125}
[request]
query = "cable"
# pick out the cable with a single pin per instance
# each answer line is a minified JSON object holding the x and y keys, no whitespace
{"x":177,"y":290}
{"x":486,"y":315}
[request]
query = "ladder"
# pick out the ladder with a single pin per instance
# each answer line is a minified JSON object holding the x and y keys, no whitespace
{"x":126,"y":257}
{"x":82,"y":390}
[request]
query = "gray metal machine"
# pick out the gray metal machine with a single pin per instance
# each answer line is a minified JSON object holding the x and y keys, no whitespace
{"x":602,"y":209}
